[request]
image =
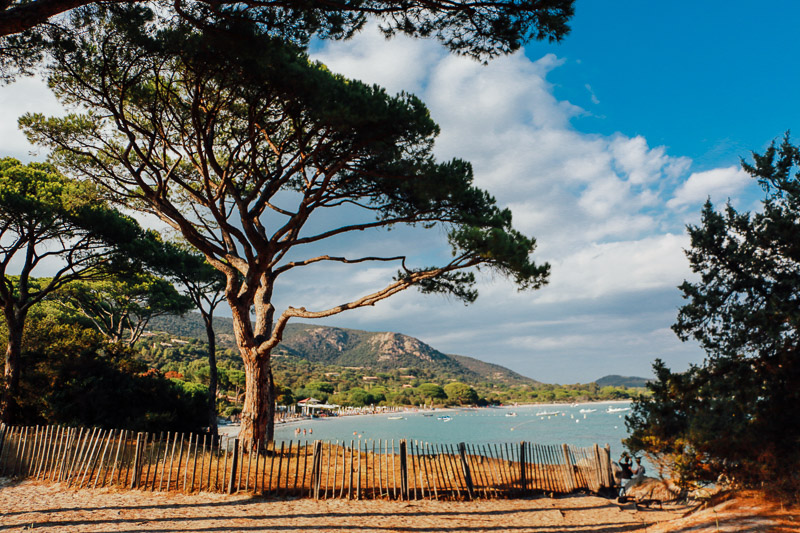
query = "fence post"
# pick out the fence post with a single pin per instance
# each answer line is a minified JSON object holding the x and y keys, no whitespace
{"x":607,"y":472}
{"x":233,"y":465}
{"x":522,"y":467}
{"x":462,"y":452}
{"x":137,"y":458}
{"x":403,"y":469}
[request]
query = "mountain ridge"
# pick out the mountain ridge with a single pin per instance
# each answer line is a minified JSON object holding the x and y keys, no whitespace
{"x":345,"y":347}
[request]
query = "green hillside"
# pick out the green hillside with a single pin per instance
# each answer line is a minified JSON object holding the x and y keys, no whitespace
{"x":373,"y":352}
{"x":349,"y":367}
{"x":622,"y":381}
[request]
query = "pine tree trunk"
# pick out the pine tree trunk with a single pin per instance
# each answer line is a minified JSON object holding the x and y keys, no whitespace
{"x":257,"y":415}
{"x":11,"y":375}
{"x":258,"y":412}
{"x":270,"y":430}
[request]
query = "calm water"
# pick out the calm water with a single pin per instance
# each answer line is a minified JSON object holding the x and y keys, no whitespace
{"x":489,"y":425}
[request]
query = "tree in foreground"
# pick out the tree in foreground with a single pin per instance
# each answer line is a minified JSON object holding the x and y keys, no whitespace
{"x":49,"y":225}
{"x":252,"y":152}
{"x":478,"y":29}
{"x":737,"y":414}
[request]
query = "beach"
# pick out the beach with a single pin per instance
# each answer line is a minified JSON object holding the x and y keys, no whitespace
{"x":45,"y":507}
{"x":29,"y":505}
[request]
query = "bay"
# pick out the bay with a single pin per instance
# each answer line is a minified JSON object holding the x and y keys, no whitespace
{"x":479,"y":426}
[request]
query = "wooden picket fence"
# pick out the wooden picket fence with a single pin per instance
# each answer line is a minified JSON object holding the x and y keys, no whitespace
{"x":408,"y":470}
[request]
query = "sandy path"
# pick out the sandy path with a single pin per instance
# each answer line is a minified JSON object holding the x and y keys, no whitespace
{"x":45,"y":507}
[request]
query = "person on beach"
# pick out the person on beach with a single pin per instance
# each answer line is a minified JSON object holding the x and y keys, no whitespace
{"x":636,"y":477}
{"x":626,"y":473}
{"x":638,"y":471}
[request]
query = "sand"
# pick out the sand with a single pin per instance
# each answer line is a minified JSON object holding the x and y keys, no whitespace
{"x":29,"y":505}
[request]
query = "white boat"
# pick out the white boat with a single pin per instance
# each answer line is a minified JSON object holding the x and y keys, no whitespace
{"x":548,"y":413}
{"x":587,"y":410}
{"x":445,"y":418}
{"x":617,"y":409}
{"x":511,"y":414}
{"x":395,"y":418}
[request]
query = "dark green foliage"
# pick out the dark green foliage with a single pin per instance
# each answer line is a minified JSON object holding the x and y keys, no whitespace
{"x":120,"y":308}
{"x":358,"y":397}
{"x":74,"y":377}
{"x":480,"y":30}
{"x":47,"y":219}
{"x":737,"y":414}
{"x":461,"y":393}
{"x":431,"y":391}
{"x":614,"y":380}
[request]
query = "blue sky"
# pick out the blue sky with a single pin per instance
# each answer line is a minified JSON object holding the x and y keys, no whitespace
{"x":710,"y":80}
{"x":604,"y":147}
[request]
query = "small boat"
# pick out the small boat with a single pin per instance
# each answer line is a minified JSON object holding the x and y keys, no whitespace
{"x":511,"y":414}
{"x":587,"y":410}
{"x":548,"y":413}
{"x":445,"y":418}
{"x":395,"y":418}
{"x":617,"y":409}
{"x":427,"y":414}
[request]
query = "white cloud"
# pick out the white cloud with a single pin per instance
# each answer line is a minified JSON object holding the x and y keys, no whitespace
{"x":596,"y":204}
{"x":719,"y":184}
{"x":26,"y":95}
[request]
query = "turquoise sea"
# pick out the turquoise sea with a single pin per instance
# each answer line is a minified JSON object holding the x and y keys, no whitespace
{"x":486,"y":425}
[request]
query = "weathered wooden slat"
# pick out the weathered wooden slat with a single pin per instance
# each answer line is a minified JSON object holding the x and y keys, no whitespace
{"x":48,"y":443}
{"x":72,"y":454}
{"x":136,"y":461}
{"x":102,"y":468}
{"x":239,"y":470}
{"x":380,"y":469}
{"x":305,"y":463}
{"x":358,"y":478}
{"x":19,"y":461}
{"x":50,"y":439}
{"x":278,"y":490}
{"x":344,"y":469}
{"x":9,"y":445}
{"x":34,"y":451}
{"x":316,"y":472}
{"x":152,"y":460}
{"x":41,"y":450}
{"x":171,"y":461}
{"x":188,"y":460}
{"x":127,"y":453}
{"x":163,"y":464}
{"x":497,"y":481}
{"x":271,"y":467}
{"x":234,"y":464}
{"x":431,"y":460}
{"x":350,"y":472}
{"x":218,"y":440}
{"x":479,"y":477}
{"x":94,"y":454}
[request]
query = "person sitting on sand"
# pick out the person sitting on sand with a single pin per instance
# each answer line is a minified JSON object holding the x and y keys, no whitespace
{"x":638,"y":476}
{"x":626,"y":473}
